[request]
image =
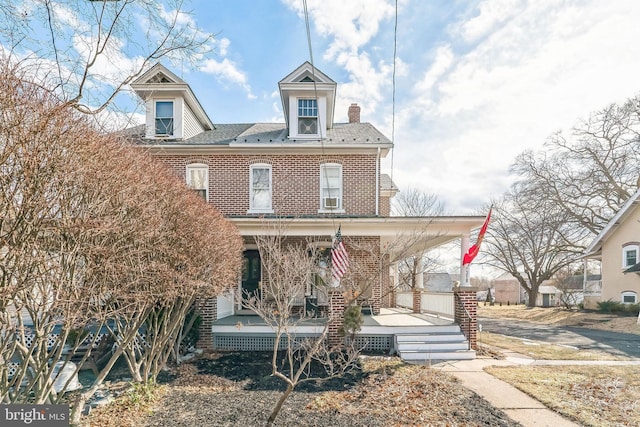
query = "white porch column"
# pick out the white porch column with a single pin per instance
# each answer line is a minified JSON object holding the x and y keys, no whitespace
{"x":420,"y":279}
{"x":396,"y":275}
{"x":465,"y":244}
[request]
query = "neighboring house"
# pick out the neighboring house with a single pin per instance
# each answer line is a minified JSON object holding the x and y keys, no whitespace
{"x":315,"y":173}
{"x":507,"y":290}
{"x":438,"y":282}
{"x":617,"y":247}
{"x":548,"y":296}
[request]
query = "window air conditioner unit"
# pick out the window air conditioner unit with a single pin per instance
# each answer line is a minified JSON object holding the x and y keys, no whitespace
{"x":330,"y":202}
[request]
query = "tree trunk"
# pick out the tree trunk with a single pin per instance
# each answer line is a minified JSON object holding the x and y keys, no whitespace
{"x":533,"y":295}
{"x":278,"y":406}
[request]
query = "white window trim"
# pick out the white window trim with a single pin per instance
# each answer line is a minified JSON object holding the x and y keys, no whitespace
{"x":627,"y":294}
{"x":294,"y":118}
{"x":252,"y":209}
{"x":629,"y":248}
{"x":155,"y":117}
{"x":301,"y":117}
{"x":340,"y":208}
{"x":198,"y":166}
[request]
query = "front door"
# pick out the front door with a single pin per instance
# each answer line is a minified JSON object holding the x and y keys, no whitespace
{"x":545,"y":300}
{"x":250,"y":274}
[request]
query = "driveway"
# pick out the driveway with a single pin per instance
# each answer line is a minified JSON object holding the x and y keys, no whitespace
{"x":615,"y":343}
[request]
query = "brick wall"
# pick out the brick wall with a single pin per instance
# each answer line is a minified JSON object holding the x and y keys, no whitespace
{"x":207,"y":308}
{"x":336,"y":317}
{"x":466,"y":302}
{"x":385,"y":206}
{"x":295,"y":181}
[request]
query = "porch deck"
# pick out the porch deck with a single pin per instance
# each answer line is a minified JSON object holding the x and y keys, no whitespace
{"x":250,"y":332}
{"x":388,"y":321}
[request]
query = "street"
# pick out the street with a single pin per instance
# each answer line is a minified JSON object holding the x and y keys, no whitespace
{"x":615,"y":343}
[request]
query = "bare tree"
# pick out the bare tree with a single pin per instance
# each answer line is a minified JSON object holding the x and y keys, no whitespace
{"x":590,"y":173}
{"x":94,"y":236}
{"x":565,"y":281}
{"x":529,"y":239}
{"x":101,"y":44}
{"x":416,"y":203}
{"x":287,"y":267}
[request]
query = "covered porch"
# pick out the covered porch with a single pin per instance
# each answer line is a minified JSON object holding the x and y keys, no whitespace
{"x":387,"y":239}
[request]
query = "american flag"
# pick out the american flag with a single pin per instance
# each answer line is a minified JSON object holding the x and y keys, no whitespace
{"x":339,"y":257}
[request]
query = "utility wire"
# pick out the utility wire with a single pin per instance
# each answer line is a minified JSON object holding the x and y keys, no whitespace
{"x":315,"y":91}
{"x":393,"y":90}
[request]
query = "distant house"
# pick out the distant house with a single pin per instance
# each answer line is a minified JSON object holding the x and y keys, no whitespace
{"x":617,"y":247}
{"x":507,"y":290}
{"x":438,"y":282}
{"x":548,"y":296}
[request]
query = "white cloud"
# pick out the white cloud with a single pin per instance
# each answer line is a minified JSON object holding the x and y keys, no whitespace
{"x":350,"y":26}
{"x":533,"y":70}
{"x":226,"y":70}
{"x":492,"y":14}
{"x":223,"y":46}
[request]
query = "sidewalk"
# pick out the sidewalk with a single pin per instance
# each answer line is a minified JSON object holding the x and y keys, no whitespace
{"x":517,"y":405}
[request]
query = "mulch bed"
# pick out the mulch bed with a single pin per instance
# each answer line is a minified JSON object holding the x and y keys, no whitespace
{"x":236,"y":389}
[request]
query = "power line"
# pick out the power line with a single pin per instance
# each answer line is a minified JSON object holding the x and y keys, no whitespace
{"x":315,"y":91}
{"x":393,"y":90}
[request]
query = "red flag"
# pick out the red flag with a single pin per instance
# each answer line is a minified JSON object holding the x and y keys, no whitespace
{"x":473,"y":250}
{"x":339,"y":257}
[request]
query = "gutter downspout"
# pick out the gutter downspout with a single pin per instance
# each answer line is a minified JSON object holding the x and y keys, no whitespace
{"x":378,"y":183}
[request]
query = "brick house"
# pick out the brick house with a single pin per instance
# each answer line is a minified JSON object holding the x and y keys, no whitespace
{"x":315,"y":173}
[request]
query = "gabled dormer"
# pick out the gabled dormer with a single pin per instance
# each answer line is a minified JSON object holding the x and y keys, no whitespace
{"x":308,"y":101}
{"x":172,"y":110}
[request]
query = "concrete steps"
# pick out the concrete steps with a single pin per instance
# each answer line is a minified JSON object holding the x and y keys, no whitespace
{"x":438,"y":343}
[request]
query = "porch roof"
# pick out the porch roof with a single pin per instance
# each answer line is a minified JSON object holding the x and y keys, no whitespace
{"x":433,"y":231}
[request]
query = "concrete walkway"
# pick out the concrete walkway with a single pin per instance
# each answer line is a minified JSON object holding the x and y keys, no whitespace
{"x":517,"y":405}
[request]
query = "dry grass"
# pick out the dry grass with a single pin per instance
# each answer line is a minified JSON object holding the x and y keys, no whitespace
{"x":598,"y":396}
{"x":407,"y":394}
{"x":541,"y":350}
{"x":129,"y":409}
{"x":562,"y":317}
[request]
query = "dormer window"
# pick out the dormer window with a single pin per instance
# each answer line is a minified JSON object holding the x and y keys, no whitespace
{"x":307,"y":117}
{"x":164,"y":118}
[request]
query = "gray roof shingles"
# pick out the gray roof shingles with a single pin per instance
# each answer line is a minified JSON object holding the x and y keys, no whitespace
{"x":265,"y":133}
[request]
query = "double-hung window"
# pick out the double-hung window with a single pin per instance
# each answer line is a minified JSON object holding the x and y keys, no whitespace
{"x":198,"y":179}
{"x":629,"y":297}
{"x":164,"y":118}
{"x":307,"y":117}
{"x":260,"y":188}
{"x":330,"y":187}
{"x":630,"y":252}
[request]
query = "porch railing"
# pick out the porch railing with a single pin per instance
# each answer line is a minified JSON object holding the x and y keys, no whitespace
{"x":440,"y":303}
{"x":404,"y":299}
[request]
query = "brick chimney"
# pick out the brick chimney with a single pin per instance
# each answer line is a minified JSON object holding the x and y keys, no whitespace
{"x":354,"y":113}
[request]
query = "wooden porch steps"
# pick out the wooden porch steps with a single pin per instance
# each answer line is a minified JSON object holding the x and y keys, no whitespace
{"x":442,"y":343}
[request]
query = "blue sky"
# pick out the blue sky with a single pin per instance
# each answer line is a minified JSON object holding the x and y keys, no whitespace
{"x":477,"y":81}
